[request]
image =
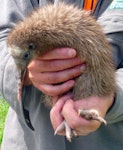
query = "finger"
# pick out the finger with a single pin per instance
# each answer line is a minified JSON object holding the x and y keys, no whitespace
{"x":55,"y":113}
{"x":69,"y":113}
{"x":59,"y":53}
{"x":58,"y":77}
{"x":53,"y":65}
{"x":72,"y":118}
{"x":81,"y":125}
{"x":54,"y":90}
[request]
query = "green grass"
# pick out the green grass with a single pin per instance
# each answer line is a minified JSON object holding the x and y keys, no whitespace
{"x":3,"y":112}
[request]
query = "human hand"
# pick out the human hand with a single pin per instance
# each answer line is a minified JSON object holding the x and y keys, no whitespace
{"x":68,"y":110}
{"x":54,"y":72}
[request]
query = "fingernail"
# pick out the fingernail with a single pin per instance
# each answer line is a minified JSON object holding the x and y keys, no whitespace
{"x":71,"y":53}
{"x":82,"y":68}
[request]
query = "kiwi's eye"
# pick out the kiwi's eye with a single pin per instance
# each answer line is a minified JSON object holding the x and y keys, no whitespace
{"x":26,"y":55}
{"x":31,"y":46}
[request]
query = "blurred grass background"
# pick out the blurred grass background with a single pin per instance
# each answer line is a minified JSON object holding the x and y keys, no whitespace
{"x":3,"y":112}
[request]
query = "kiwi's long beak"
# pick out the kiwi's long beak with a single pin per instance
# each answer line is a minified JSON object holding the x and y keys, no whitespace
{"x":22,"y":74}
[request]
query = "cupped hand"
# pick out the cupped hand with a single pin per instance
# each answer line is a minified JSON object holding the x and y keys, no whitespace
{"x":68,"y":110}
{"x":54,"y":72}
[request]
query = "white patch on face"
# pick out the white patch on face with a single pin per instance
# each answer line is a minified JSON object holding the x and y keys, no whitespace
{"x":17,"y":55}
{"x":15,"y":51}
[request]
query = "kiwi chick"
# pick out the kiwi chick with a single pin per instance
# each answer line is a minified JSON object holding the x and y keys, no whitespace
{"x":66,"y":26}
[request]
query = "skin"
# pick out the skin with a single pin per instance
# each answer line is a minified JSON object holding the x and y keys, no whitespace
{"x":57,"y":66}
{"x":54,"y":73}
{"x":69,"y":108}
{"x":63,"y":67}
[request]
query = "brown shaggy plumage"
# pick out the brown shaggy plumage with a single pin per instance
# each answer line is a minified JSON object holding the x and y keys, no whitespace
{"x":66,"y":26}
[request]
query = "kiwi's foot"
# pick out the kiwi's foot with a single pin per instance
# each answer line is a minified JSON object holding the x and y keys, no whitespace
{"x":69,"y":133}
{"x":91,"y":114}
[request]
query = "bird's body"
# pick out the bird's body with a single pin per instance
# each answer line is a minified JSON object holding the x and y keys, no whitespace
{"x":66,"y":26}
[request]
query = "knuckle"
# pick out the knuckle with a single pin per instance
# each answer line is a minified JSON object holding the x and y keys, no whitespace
{"x":31,"y":65}
{"x":31,"y":76}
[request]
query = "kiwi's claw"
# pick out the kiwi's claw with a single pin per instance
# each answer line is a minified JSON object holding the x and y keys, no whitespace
{"x":91,"y":114}
{"x":60,"y":128}
{"x":69,"y":133}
